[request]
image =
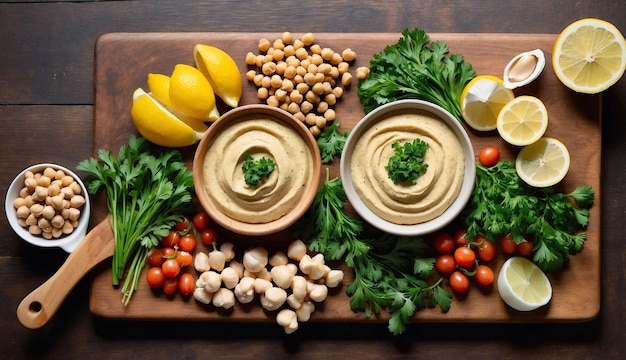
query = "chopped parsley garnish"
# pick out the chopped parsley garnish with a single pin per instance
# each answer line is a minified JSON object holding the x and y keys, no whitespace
{"x":255,"y":170}
{"x":407,"y":164}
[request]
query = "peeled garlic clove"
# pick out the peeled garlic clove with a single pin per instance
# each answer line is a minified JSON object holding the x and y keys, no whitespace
{"x":524,"y":68}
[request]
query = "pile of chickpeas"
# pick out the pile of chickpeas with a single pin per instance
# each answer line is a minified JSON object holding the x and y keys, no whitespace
{"x":49,"y":204}
{"x":301,"y":77}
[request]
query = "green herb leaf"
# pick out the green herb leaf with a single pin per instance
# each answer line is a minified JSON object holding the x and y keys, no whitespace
{"x":255,"y":170}
{"x":331,"y":142}
{"x":414,"y":68}
{"x":407,"y":163}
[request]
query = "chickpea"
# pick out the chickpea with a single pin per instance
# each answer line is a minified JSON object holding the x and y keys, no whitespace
{"x":346,"y":79}
{"x":57,"y":221}
{"x":320,"y":122}
{"x":54,"y":189}
{"x":266,"y":81}
{"x":67,"y":192}
{"x":317,"y":59}
{"x":315,"y":131}
{"x":67,"y":227}
{"x":299,"y":115}
{"x":296,"y":96}
{"x":44,"y":224}
{"x":343,"y":67}
{"x":330,"y":115}
{"x":31,"y":220}
{"x":66,"y":180}
{"x":262,"y":93}
{"x":269,"y":57}
{"x":48,"y":212}
{"x":23,"y":212}
{"x":327,"y":54}
{"x":322,"y":107}
{"x":338,"y":92}
{"x":309,"y":79}
{"x":286,"y":37}
{"x":298,"y":44}
{"x":301,"y":70}
{"x":49,"y":172}
{"x":324,"y":68}
{"x":268,"y":68}
{"x":290,"y":72}
{"x":336,"y":59}
{"x":318,"y":88}
{"x":250,"y":58}
{"x":278,"y":55}
{"x":259,"y":60}
{"x":293,"y":108}
{"x":362,"y":72}
{"x":348,"y":55}
{"x":272,"y":101}
{"x":30,"y":183}
{"x":301,"y":53}
{"x":330,"y":99}
{"x":315,"y":49}
{"x":298,"y":79}
{"x":278,"y":44}
{"x":286,"y":85}
{"x":302,"y":88}
{"x":289,"y":50}
{"x":276,"y":81}
{"x":312,"y":69}
{"x":24,"y":192}
{"x":305,"y":63}
{"x":308,"y":39}
{"x":73,"y":214}
{"x":36,"y":209}
{"x":264,"y":45}
{"x":319,"y":77}
{"x":34,"y":230}
{"x":306,"y":107}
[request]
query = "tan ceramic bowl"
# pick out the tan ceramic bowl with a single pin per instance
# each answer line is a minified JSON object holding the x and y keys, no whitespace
{"x":453,"y":210}
{"x":231,"y":118}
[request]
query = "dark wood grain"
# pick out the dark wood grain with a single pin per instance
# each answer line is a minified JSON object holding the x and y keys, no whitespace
{"x":46,"y":91}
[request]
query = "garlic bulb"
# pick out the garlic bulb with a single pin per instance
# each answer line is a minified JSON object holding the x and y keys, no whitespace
{"x":524,"y":68}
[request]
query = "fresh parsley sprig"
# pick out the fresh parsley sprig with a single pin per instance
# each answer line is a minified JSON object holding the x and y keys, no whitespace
{"x":331,"y":142}
{"x":415,"y":68}
{"x":407,"y":163}
{"x":390,"y":271}
{"x":255,"y":170}
{"x":502,"y":204}
{"x":147,"y":193}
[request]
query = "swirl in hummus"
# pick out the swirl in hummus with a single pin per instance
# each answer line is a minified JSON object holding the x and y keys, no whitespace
{"x":277,"y":194}
{"x":434,"y":191}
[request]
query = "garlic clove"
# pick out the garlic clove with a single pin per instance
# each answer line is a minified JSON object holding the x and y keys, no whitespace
{"x":524,"y":68}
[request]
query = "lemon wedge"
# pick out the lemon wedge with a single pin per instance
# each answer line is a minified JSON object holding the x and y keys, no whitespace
{"x":481,"y":101}
{"x":589,"y":55}
{"x":221,"y":71}
{"x":191,"y":93}
{"x":159,"y":87}
{"x":523,"y":120}
{"x":523,"y":285}
{"x":543,"y":163}
{"x":159,"y":126}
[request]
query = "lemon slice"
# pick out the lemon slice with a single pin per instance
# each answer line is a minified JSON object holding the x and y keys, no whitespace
{"x":523,"y":285}
{"x":544,"y":163}
{"x":159,"y":126}
{"x":222,"y":72}
{"x":589,"y":56}
{"x":481,"y":101}
{"x":191,"y":93}
{"x":523,"y":120}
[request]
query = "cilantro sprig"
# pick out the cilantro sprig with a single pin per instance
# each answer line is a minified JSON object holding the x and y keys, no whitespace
{"x":407,"y":163}
{"x":415,"y":68}
{"x":502,"y":204}
{"x":391,"y":272}
{"x":147,"y":193}
{"x":255,"y":170}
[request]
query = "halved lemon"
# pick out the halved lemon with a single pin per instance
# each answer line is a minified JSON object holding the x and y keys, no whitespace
{"x":481,"y":101}
{"x":159,"y":126}
{"x":589,"y":55}
{"x":221,"y":71}
{"x":191,"y":93}
{"x":543,"y":163}
{"x":523,"y":120}
{"x":523,"y":285}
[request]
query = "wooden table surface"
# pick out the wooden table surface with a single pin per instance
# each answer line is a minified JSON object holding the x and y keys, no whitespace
{"x":46,"y":115}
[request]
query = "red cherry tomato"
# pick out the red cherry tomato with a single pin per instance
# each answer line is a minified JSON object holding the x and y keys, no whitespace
{"x":200,"y":221}
{"x":459,"y":282}
{"x":187,"y":243}
{"x":184,"y":258}
{"x":155,"y":277}
{"x":170,"y":286}
{"x":171,"y":268}
{"x":489,"y":156}
{"x":525,"y":248}
{"x":459,"y":238}
{"x":445,"y":264}
{"x":167,"y":253}
{"x":183,"y":224}
{"x":186,"y":284}
{"x":171,"y":239}
{"x":484,"y":275}
{"x":155,"y":258}
{"x":507,"y":245}
{"x":208,"y":236}
{"x":464,"y":256}
{"x":444,"y":243}
{"x":486,"y":250}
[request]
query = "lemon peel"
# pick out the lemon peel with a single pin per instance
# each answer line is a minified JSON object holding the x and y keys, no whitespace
{"x":159,"y":126}
{"x":191,"y":93}
{"x":221,"y":71}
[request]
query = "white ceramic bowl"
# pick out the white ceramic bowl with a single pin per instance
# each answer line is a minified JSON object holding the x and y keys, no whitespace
{"x":66,"y":242}
{"x":457,"y":205}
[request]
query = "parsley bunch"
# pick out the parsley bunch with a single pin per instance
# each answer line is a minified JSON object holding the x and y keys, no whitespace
{"x":146,"y":195}
{"x":414,"y":68}
{"x":255,"y":170}
{"x":390,"y":271}
{"x":407,"y":163}
{"x":502,"y":204}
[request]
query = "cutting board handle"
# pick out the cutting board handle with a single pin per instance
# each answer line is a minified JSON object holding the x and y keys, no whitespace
{"x":42,"y":303}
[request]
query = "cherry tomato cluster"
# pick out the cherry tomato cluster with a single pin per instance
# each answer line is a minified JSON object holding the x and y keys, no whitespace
{"x":171,"y":260}
{"x":461,"y":259}
{"x":510,"y":248}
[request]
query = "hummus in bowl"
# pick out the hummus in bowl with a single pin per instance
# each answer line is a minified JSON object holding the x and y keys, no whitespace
{"x":255,"y":133}
{"x":417,"y":206}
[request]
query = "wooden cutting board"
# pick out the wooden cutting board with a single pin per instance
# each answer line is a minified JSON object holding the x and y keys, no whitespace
{"x":123,"y":61}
